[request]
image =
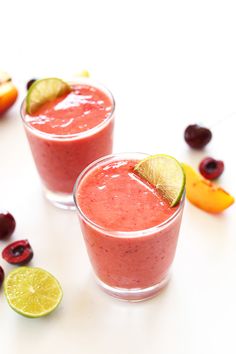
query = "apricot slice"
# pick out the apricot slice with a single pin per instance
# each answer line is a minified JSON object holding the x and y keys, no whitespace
{"x":8,"y":92}
{"x":204,"y":194}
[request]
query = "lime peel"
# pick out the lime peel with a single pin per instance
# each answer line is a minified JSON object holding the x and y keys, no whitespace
{"x":166,"y":174}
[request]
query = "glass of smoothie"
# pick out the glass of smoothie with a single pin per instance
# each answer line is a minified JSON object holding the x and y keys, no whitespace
{"x":67,"y":133}
{"x":129,"y":228}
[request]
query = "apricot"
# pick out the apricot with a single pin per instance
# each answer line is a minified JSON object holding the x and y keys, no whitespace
{"x":8,"y":92}
{"x":205,"y":194}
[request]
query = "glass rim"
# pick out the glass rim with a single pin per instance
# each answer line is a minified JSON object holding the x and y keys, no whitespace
{"x":116,"y":233}
{"x":73,"y":136}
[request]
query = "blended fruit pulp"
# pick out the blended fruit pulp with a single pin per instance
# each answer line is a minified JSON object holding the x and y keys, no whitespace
{"x":60,"y":159}
{"x":114,"y":198}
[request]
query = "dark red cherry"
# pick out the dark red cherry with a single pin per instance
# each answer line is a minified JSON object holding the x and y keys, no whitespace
{"x":211,"y":168}
{"x":196,"y":136}
{"x":1,"y":276}
{"x":7,"y":224}
{"x":18,"y":252}
{"x":29,"y":83}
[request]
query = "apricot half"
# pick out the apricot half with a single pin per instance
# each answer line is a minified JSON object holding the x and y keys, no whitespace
{"x":8,"y":92}
{"x":204,"y":194}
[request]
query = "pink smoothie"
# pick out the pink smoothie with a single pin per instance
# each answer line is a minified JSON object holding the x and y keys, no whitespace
{"x":68,"y":133}
{"x":114,"y":198}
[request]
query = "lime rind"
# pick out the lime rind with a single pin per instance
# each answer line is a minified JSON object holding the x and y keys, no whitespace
{"x":166,"y":174}
{"x":32,"y":288}
{"x":43,"y":91}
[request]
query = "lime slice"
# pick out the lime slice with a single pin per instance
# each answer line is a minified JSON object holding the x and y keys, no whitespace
{"x":166,"y":174}
{"x":43,"y":91}
{"x":32,"y":292}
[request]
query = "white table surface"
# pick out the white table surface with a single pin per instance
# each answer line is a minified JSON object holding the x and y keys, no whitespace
{"x":169,"y":64}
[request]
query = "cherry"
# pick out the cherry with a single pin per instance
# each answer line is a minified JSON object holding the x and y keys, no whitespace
{"x":7,"y":224}
{"x":211,"y":168}
{"x":1,"y":276}
{"x":18,"y":252}
{"x":29,"y":83}
{"x":196,"y":136}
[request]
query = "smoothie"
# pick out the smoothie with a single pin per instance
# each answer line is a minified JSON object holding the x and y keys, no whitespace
{"x":124,"y":221}
{"x":68,"y":133}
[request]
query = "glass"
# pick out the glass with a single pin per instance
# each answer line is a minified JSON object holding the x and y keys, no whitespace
{"x":137,"y":262}
{"x":60,"y":158}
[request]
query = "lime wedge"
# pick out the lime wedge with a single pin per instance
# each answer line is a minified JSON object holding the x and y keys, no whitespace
{"x":32,"y":292}
{"x":43,"y":91}
{"x":166,"y":174}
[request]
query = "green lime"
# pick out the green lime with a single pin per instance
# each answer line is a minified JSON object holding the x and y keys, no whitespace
{"x":166,"y":174}
{"x":42,"y":91}
{"x":32,"y":292}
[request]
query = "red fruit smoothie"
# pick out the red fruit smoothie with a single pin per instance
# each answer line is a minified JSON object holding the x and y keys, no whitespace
{"x":68,"y":133}
{"x":121,"y":216}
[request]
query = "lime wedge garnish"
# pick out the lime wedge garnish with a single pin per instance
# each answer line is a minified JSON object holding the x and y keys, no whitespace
{"x":32,"y":292}
{"x":166,"y":174}
{"x":43,"y":91}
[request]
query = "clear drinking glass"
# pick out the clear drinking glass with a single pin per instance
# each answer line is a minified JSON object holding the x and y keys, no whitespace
{"x":60,"y":158}
{"x":130,"y":265}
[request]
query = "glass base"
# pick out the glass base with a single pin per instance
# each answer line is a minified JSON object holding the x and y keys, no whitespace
{"x":133,"y":295}
{"x":60,"y":200}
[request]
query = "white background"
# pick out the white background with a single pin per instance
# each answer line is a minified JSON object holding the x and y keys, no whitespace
{"x":168,"y":63}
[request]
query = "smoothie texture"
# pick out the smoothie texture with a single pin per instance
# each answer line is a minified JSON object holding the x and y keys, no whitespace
{"x":120,"y":218}
{"x":68,"y":133}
